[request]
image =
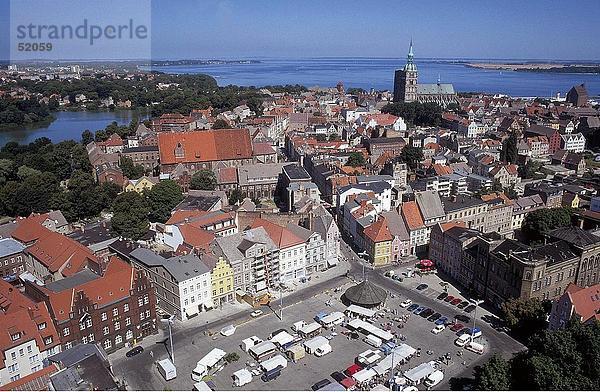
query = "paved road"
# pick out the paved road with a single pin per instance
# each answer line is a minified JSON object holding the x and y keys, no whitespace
{"x":134,"y":370}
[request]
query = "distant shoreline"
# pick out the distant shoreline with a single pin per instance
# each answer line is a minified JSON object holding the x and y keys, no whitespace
{"x":538,"y":67}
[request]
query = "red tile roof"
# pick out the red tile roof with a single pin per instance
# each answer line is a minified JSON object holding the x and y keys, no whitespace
{"x":196,"y":237}
{"x":455,"y":223}
{"x":60,"y":253}
{"x":412,"y":215}
{"x":205,"y":146}
{"x":114,"y":286}
{"x":440,"y":170}
{"x":114,"y":141}
{"x":262,"y":149}
{"x":585,"y":300}
{"x":25,"y":322}
{"x":181,"y":216}
{"x":228,"y":175}
{"x":379,"y":231}
{"x":30,"y":229}
{"x":281,"y":236}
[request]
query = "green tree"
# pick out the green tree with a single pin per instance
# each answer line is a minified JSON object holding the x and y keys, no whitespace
{"x":7,"y":170}
{"x":232,"y":357}
{"x":412,"y":156}
{"x":220,"y":124}
{"x":416,"y":113}
{"x":452,"y":107}
{"x":524,"y":317}
{"x":537,"y":223}
{"x":204,"y":180}
{"x":334,"y":137}
{"x":493,"y":375}
{"x":87,"y":137}
{"x":356,"y":159}
{"x":83,"y":195}
{"x":236,"y":196}
{"x":162,"y":198}
{"x":131,"y":170}
{"x":509,"y":149}
{"x":130,"y":215}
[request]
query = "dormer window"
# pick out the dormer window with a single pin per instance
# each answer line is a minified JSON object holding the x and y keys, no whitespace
{"x":42,"y":326}
{"x":15,"y":336}
{"x":179,"y":151}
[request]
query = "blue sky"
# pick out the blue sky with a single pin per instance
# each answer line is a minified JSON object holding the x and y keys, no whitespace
{"x":548,"y":29}
{"x":491,"y":29}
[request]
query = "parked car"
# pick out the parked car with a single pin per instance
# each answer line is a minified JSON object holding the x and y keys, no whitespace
{"x":462,"y":318}
{"x":462,"y":340}
{"x":422,"y":286}
{"x":456,"y":327}
{"x":437,"y":329}
{"x":405,"y":303}
{"x":470,"y":308}
{"x":338,"y":376}
{"x":320,"y":384}
{"x":426,"y":313}
{"x":434,"y":317}
{"x":256,"y":313}
{"x":448,"y":298}
{"x":474,"y":332}
{"x":419,"y":310}
{"x":442,"y":296}
{"x":398,"y":278}
{"x":464,"y":331}
{"x":413,"y":307}
{"x":134,"y":351}
{"x":456,"y":301}
{"x":441,"y":321}
{"x":463,"y":304}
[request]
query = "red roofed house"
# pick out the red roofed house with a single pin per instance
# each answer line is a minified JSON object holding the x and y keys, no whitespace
{"x":27,"y":335}
{"x":378,"y":241}
{"x":578,"y":302}
{"x":196,"y":229}
{"x":111,"y":145}
{"x":197,"y":150}
{"x":292,"y":250}
{"x":54,"y":256}
{"x":115,"y":309}
{"x":415,"y":224}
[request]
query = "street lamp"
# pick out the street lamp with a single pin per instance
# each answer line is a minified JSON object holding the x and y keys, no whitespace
{"x":169,"y":322}
{"x":475,"y":302}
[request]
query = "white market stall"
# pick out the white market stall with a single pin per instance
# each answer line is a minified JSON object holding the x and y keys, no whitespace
{"x":364,"y":375}
{"x":242,"y":377}
{"x":314,"y":343}
{"x":272,"y":363}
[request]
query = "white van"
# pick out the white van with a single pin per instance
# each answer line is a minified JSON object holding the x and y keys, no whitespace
{"x":475,"y":347}
{"x":434,"y":379}
{"x":323,"y":350}
{"x":462,"y":340}
{"x":167,"y":369}
{"x":373,"y":341}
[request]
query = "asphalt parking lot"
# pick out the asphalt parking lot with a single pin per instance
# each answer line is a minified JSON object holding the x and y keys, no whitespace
{"x":301,"y":375}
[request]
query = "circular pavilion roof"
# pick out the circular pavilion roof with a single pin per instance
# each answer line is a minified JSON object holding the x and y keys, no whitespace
{"x":366,"y":294}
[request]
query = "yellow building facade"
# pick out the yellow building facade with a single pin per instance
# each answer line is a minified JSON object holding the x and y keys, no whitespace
{"x":222,"y":282}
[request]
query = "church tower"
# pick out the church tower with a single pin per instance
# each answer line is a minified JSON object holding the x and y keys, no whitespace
{"x":405,"y":80}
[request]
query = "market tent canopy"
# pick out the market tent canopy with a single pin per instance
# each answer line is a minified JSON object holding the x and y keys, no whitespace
{"x":366,"y":294}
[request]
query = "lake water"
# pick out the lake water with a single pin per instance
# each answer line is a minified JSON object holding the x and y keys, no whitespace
{"x":69,"y":125}
{"x":378,"y":73}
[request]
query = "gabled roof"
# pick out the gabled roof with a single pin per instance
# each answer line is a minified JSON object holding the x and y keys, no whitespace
{"x":113,"y":286}
{"x":575,"y":236}
{"x":396,"y":225}
{"x":56,"y":251}
{"x":204,"y":146}
{"x":412,"y":215}
{"x":586,"y":301}
{"x":430,"y":204}
{"x":378,"y":231}
{"x":281,"y":236}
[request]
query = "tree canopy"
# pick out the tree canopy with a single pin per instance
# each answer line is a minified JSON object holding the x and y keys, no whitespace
{"x":537,"y":223}
{"x":356,"y":159}
{"x":131,"y":170}
{"x":416,"y":113}
{"x":524,"y":317}
{"x":162,"y":198}
{"x":509,"y":151}
{"x":130,"y":215}
{"x":412,"y":156}
{"x":204,"y":180}
{"x":564,"y":359}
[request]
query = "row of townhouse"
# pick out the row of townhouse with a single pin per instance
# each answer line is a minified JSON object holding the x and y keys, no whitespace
{"x":497,"y":269}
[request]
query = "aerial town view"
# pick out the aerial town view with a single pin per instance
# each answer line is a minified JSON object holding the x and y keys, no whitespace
{"x":224,"y":195}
